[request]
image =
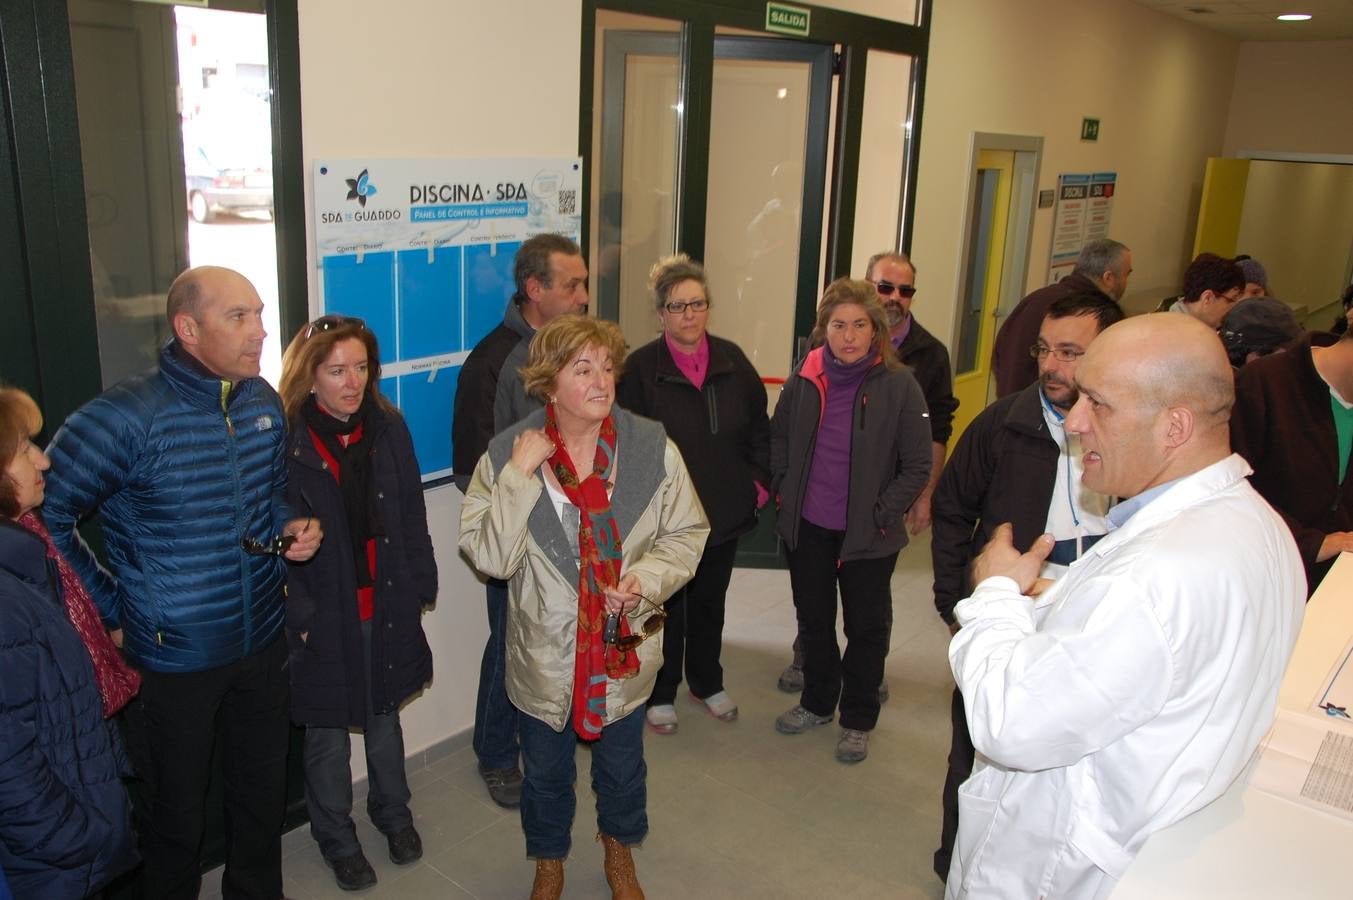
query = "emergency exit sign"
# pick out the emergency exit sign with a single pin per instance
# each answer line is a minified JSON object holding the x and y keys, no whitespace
{"x":1089,"y":129}
{"x":787,"y":19}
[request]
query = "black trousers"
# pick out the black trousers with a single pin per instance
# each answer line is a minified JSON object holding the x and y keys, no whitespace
{"x":961,"y":756}
{"x":829,"y":676}
{"x":248,"y":703}
{"x":693,"y":633}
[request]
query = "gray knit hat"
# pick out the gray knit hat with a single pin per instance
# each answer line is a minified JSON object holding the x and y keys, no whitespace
{"x":1254,"y":272}
{"x":1259,"y":324}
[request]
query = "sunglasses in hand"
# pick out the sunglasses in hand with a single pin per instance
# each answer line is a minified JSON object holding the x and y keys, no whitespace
{"x":651,"y":625}
{"x":278,"y":544}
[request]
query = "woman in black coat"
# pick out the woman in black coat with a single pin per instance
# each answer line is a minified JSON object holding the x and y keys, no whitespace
{"x":712,"y":402}
{"x":354,"y":611}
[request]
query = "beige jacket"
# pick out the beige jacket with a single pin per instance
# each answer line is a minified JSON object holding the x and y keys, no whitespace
{"x":509,"y":530}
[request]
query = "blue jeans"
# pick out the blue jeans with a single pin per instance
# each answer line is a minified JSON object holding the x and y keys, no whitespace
{"x":619,"y":778}
{"x":495,"y":718}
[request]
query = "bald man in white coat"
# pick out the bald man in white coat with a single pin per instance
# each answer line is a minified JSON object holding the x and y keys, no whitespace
{"x":1133,"y":691}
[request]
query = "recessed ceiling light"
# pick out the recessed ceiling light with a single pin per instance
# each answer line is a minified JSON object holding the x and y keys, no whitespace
{"x":1294,"y":17}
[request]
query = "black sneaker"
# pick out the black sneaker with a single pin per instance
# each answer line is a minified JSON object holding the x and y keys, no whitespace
{"x":405,"y":846}
{"x":504,"y":785}
{"x":353,"y":873}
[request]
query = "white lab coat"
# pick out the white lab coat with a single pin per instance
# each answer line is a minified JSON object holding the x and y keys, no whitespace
{"x":1129,"y":696}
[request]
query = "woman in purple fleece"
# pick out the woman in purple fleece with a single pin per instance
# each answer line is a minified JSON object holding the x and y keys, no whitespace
{"x":850,"y":451}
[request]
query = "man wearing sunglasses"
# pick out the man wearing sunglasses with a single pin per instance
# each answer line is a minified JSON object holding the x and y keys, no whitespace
{"x":1016,"y":463}
{"x":551,"y":281}
{"x":1102,"y":267}
{"x":186,"y":466}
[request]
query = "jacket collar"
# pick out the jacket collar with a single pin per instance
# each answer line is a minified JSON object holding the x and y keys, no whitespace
{"x":22,"y":553}
{"x":917,"y":339}
{"x":1026,"y":413}
{"x":192,"y":381}
{"x":514,"y":320}
{"x":719,"y":363}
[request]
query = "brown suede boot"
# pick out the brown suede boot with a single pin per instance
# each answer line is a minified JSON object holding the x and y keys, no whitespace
{"x":549,"y":883}
{"x":619,"y":867}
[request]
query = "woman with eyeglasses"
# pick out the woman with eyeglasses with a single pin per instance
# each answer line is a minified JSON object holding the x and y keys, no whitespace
{"x":354,"y":611}
{"x":65,"y":830}
{"x":711,"y":400}
{"x":850,"y":451}
{"x":588,"y":512}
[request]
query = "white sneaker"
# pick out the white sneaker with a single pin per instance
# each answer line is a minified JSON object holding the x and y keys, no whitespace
{"x":662,"y":718}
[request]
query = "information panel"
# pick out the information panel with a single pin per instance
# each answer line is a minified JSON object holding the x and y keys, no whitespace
{"x":422,"y":250}
{"x":1084,"y":208}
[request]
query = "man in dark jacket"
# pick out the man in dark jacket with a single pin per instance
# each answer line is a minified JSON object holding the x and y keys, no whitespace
{"x":1293,"y":423}
{"x":1103,"y":268}
{"x":1016,"y":463}
{"x":551,"y":280}
{"x":186,"y":467}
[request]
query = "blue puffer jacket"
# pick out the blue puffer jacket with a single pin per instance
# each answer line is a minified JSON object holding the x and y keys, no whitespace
{"x":181,"y":467}
{"x":65,"y":829}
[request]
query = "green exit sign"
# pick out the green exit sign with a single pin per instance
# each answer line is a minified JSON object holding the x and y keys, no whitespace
{"x":1089,"y":129}
{"x":787,"y":19}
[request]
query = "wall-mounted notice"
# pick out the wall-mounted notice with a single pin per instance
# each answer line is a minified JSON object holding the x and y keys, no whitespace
{"x":1084,"y":208}
{"x":422,"y":250}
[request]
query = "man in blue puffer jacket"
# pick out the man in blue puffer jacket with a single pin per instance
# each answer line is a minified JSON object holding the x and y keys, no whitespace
{"x":186,"y":466}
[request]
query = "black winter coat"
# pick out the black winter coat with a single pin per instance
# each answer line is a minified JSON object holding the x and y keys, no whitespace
{"x":890,"y":455}
{"x":721,"y":428}
{"x":928,"y":360}
{"x":328,"y":678}
{"x":1003,"y":469}
{"x":65,"y":827}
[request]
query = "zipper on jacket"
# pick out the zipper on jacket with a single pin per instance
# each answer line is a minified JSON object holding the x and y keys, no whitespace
{"x":245,"y":586}
{"x":712,"y":400}
{"x":225,"y":407}
{"x":864,"y":409}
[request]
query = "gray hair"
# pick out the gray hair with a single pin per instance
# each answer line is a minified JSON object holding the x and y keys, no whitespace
{"x":533,"y":259}
{"x":894,"y":255}
{"x":1098,"y":257}
{"x":670,"y":271}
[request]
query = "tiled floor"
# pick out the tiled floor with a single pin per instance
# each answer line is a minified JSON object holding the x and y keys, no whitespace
{"x":735,"y":810}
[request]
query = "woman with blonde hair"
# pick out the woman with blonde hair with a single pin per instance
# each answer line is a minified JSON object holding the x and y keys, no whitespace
{"x":354,"y":611}
{"x":546,"y":510}
{"x":850,"y":451}
{"x":711,"y":400}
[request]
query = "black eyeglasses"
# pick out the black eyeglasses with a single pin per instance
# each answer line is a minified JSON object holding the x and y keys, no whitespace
{"x":887,"y":289}
{"x":1061,"y":354}
{"x":677,"y":307}
{"x":330,"y":322}
{"x":650,"y":626}
{"x":278,"y":544}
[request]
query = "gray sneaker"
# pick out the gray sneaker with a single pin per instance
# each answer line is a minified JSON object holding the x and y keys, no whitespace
{"x":797,"y":720}
{"x":791,"y":679}
{"x":853,"y":746}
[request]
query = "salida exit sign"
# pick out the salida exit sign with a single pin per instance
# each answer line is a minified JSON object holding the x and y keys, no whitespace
{"x":787,"y":19}
{"x":1089,"y":129}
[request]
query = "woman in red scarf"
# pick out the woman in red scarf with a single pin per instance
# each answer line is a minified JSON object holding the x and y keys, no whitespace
{"x":590,"y":515}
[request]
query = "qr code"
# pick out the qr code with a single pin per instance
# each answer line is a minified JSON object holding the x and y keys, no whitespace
{"x":568,"y":203}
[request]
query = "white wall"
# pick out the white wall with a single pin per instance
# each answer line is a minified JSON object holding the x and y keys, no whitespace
{"x":1292,"y":96}
{"x":1159,"y":86}
{"x":451,"y":78}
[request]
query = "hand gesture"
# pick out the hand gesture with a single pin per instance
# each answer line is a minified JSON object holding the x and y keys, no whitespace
{"x":531,"y":448}
{"x":624,"y":596}
{"x":1000,"y":557}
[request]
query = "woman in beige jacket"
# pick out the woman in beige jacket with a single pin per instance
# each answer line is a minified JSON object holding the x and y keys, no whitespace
{"x":590,"y":515}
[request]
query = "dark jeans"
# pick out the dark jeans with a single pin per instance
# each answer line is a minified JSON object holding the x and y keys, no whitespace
{"x":866,"y":609}
{"x":328,"y":777}
{"x":961,"y":755}
{"x":495,"y":718}
{"x":619,"y":779}
{"x":694,"y":628}
{"x":247,"y":701}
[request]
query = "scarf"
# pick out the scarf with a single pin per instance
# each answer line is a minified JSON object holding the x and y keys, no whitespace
{"x":117,"y":681}
{"x":598,"y":569}
{"x":354,"y":476}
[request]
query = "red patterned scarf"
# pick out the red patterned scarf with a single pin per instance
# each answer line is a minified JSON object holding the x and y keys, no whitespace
{"x":598,"y":569}
{"x":117,"y":681}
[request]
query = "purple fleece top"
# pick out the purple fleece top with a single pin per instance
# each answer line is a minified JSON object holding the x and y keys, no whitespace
{"x":824,"y":500}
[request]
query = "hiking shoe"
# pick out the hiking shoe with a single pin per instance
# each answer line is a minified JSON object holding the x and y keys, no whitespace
{"x":661,"y":718}
{"x":791,"y":679}
{"x":883,"y":692}
{"x":797,"y":720}
{"x":504,"y":785}
{"x":720,"y":706}
{"x":853,"y":745}
{"x":353,"y":873}
{"x":405,"y":846}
